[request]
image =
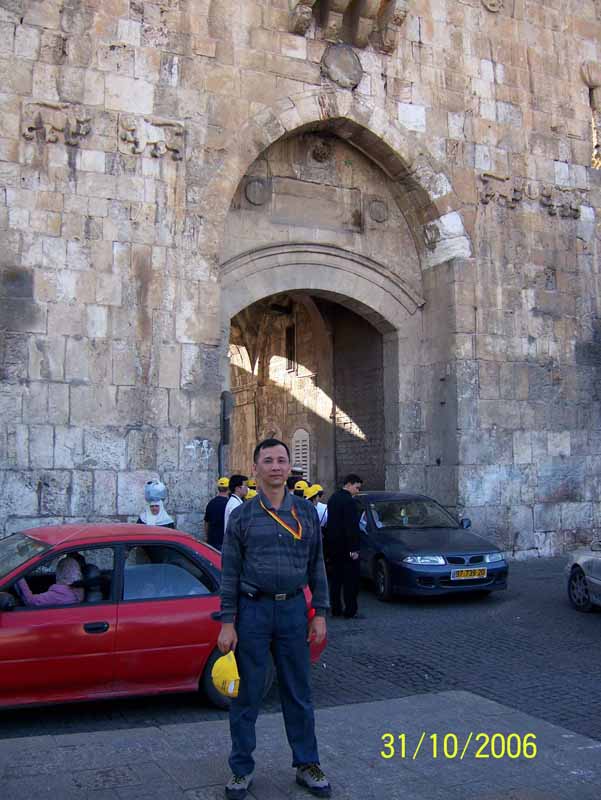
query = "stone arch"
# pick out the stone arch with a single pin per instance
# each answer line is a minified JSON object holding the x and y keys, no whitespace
{"x":354,"y":280}
{"x":422,"y":188}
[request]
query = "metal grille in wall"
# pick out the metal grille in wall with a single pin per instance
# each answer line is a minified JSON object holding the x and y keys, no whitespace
{"x":301,"y":451}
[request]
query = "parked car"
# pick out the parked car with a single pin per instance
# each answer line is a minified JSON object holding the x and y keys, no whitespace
{"x":411,"y":545}
{"x":583,"y":577}
{"x":147,"y":622}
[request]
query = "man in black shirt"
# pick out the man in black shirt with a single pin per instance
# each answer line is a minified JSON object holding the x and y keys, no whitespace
{"x":341,"y":548}
{"x":215,"y":513}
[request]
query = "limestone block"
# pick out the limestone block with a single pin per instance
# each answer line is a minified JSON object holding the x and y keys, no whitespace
{"x":54,"y":487}
{"x":576,"y":515}
{"x":94,"y":83}
{"x":141,"y":449}
{"x":68,"y":447}
{"x":125,"y":364}
{"x":13,"y":357}
{"x":169,"y":366}
{"x":97,"y":323}
{"x":130,"y":491}
{"x":412,"y":117}
{"x":91,"y":184}
{"x":105,"y":492}
{"x":93,"y":405}
{"x":16,"y":76}
{"x":58,"y":403}
{"x":35,"y":402}
{"x":128,"y":94}
{"x":479,"y":485}
{"x":41,"y":446}
{"x":522,"y":447}
{"x":82,"y":492}
{"x":16,"y":524}
{"x":27,"y":42}
{"x":559,"y":443}
{"x":46,"y":358}
{"x":167,"y":449}
{"x":23,"y":315}
{"x":142,"y":405}
{"x":129,"y":31}
{"x":547,"y":516}
{"x":179,"y":408}
{"x":17,"y":446}
{"x":108,"y":289}
{"x":65,"y":319}
{"x":561,"y":481}
{"x":104,"y":448}
{"x":19,"y":493}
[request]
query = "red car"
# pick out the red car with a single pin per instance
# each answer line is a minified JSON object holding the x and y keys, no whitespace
{"x":147,"y":623}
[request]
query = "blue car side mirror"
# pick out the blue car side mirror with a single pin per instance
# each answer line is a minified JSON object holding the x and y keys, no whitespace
{"x":466,"y":523}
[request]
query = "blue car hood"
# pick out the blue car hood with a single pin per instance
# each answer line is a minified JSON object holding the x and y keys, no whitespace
{"x":398,"y":543}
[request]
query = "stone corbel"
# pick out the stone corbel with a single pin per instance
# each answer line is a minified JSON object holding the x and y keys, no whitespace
{"x":301,"y":15}
{"x":160,"y":135}
{"x":367,"y":13}
{"x":332,"y":29}
{"x":388,"y":24}
{"x":53,"y":121}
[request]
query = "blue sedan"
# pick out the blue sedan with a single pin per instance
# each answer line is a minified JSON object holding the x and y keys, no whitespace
{"x":411,"y":545}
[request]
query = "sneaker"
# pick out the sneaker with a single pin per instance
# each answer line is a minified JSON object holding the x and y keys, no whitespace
{"x":312,"y":778}
{"x":238,"y":786}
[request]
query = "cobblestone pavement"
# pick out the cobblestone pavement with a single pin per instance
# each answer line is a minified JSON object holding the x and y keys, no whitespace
{"x":525,"y":648}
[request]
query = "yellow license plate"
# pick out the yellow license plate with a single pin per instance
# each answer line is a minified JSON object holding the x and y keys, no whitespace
{"x":462,"y":574}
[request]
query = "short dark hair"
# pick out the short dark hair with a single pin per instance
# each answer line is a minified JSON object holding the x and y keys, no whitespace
{"x":291,"y":482}
{"x":269,"y":443}
{"x":352,"y":478}
{"x":237,"y":480}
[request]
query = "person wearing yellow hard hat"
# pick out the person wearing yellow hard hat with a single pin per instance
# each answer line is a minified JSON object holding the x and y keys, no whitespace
{"x":314,"y":493}
{"x":250,"y":494}
{"x":272,"y":549}
{"x":252,"y":483}
{"x":215,"y":513}
{"x":299,"y":488}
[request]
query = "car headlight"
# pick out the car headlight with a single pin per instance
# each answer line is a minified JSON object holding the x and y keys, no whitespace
{"x":490,"y":558}
{"x":424,"y":560}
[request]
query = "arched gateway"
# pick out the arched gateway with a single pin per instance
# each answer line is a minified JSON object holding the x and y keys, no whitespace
{"x":330,"y":274}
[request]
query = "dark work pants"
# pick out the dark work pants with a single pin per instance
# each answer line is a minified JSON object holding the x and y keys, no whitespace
{"x":343,"y":579}
{"x":279,"y":626}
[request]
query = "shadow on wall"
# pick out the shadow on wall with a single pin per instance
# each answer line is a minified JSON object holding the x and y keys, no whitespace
{"x":287,"y":376}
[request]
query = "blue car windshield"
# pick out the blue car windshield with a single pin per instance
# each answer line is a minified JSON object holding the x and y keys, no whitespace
{"x":16,"y":550}
{"x":407,"y":514}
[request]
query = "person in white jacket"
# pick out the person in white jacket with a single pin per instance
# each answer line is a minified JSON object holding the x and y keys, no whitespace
{"x":314,"y":493}
{"x":238,"y":490}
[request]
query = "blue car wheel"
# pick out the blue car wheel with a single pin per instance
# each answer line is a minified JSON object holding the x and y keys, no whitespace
{"x":382,"y":580}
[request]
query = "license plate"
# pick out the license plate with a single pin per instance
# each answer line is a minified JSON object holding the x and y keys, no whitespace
{"x":463,"y":574}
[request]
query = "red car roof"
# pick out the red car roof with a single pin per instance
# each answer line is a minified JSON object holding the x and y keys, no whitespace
{"x":59,"y":534}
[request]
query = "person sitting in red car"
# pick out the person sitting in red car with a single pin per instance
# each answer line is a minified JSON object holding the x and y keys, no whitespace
{"x":60,"y":593}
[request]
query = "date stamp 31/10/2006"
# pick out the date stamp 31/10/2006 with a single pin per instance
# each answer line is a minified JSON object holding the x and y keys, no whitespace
{"x":449,"y":746}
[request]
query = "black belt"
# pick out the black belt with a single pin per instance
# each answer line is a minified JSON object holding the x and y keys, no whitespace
{"x":277,"y":596}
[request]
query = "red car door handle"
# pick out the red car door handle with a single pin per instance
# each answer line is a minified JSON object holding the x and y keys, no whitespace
{"x":96,"y":627}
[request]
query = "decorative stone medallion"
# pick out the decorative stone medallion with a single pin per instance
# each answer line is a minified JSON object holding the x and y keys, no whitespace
{"x":378,"y":210}
{"x":256,"y":192}
{"x":493,"y":5}
{"x":341,"y":64}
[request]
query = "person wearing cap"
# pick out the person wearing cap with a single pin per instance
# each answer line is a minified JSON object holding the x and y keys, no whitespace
{"x":252,"y":484}
{"x":215,"y":514}
{"x":299,"y":488}
{"x":314,"y":493}
{"x":238,"y":490}
{"x":155,"y":493}
{"x":272,"y":549}
{"x":250,"y":494}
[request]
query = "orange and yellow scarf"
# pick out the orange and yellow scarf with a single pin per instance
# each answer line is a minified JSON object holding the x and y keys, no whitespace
{"x":298,"y":534}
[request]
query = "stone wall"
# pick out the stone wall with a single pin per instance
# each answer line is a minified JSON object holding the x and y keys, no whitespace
{"x":127,"y":129}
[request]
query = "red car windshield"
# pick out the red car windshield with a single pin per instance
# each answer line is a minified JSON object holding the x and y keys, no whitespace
{"x":16,"y":550}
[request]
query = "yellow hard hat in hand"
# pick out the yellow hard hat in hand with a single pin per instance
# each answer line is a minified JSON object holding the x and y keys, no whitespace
{"x":225,"y":676}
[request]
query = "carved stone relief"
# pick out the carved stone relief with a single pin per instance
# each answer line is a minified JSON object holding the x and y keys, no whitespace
{"x":160,"y":135}
{"x":509,"y":192}
{"x":341,"y":64}
{"x":493,"y":5}
{"x":358,"y":23}
{"x":55,"y":122}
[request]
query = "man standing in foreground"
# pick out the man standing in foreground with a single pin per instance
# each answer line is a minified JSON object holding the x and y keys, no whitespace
{"x":342,"y":539}
{"x":271,"y":550}
{"x":215,"y":514}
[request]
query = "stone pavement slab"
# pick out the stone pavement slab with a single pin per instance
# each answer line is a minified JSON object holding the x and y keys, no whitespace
{"x":189,"y":761}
